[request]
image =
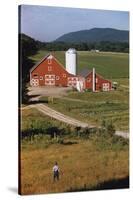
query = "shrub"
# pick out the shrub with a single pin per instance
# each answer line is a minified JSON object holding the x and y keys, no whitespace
{"x":107,"y":128}
{"x":110,"y":129}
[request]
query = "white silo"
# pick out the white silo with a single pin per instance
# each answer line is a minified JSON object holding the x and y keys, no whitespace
{"x":71,"y":61}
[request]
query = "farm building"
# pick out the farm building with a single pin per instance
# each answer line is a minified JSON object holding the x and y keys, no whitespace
{"x":96,"y":82}
{"x":50,"y":72}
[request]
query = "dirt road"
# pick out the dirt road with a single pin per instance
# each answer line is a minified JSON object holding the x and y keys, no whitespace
{"x":36,"y":92}
{"x":122,"y":134}
{"x":59,"y":116}
{"x":66,"y":119}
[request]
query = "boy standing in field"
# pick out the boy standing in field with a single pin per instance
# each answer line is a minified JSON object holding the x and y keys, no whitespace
{"x":56,"y":172}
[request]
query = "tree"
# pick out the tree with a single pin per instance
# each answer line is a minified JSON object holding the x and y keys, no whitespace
{"x":27,"y":47}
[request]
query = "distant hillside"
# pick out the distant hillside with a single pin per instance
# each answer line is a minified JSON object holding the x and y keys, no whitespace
{"x":26,"y":37}
{"x":95,"y":35}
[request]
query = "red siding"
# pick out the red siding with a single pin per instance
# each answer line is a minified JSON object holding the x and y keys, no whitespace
{"x":54,"y":68}
{"x":99,"y":81}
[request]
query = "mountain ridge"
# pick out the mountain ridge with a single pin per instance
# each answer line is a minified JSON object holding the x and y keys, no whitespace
{"x":95,"y":35}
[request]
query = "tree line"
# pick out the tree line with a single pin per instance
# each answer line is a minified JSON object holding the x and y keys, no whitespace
{"x":101,"y":46}
{"x":27,"y":47}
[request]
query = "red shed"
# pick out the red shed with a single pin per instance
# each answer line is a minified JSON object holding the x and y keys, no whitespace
{"x":96,"y":82}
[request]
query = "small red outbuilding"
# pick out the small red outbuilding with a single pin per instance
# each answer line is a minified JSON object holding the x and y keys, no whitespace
{"x":96,"y":82}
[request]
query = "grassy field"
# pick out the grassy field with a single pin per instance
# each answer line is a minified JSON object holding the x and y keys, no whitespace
{"x":109,"y":65}
{"x":85,"y":163}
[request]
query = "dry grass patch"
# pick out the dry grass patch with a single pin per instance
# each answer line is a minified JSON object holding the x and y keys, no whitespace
{"x":81,"y":164}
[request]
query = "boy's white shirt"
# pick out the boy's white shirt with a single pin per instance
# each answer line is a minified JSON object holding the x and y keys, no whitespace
{"x":55,"y":168}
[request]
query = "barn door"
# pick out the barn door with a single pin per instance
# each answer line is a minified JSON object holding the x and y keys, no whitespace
{"x":50,"y":79}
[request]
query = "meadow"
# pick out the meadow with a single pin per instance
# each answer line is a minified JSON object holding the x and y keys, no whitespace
{"x":86,"y":163}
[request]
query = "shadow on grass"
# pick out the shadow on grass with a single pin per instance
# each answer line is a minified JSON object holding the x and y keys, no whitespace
{"x":37,"y":102}
{"x":69,"y":143}
{"x":107,"y":185}
{"x":30,"y":101}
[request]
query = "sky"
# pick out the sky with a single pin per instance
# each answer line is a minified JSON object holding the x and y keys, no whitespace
{"x":48,"y":23}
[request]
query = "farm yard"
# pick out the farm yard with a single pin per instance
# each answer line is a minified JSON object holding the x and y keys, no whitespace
{"x":88,"y":160}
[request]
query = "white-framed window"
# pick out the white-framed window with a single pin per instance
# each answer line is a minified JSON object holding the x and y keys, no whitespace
{"x":64,"y":75}
{"x":46,"y":76}
{"x":53,"y":76}
{"x":34,"y":82}
{"x":49,"y":61}
{"x":49,"y":68}
{"x":57,"y":77}
{"x":35,"y":75}
{"x":105,"y":86}
{"x":41,"y":78}
{"x":89,"y":80}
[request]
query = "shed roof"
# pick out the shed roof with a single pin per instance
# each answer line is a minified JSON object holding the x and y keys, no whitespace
{"x":84,"y":72}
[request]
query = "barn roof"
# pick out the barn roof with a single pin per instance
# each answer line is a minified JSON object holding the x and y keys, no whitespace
{"x":84,"y":72}
{"x":88,"y":72}
{"x":38,"y":63}
{"x":48,"y":55}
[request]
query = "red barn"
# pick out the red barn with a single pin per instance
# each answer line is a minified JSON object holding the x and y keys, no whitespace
{"x":50,"y":72}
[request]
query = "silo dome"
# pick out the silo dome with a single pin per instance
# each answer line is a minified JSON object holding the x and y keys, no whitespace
{"x":71,"y":60}
{"x":71,"y":50}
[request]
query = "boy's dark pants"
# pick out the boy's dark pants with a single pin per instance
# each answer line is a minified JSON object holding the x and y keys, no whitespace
{"x":56,"y":175}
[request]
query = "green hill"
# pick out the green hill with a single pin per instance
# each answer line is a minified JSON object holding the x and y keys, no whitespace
{"x":95,"y":35}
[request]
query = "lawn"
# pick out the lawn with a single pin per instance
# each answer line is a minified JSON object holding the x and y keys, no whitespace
{"x":85,"y":163}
